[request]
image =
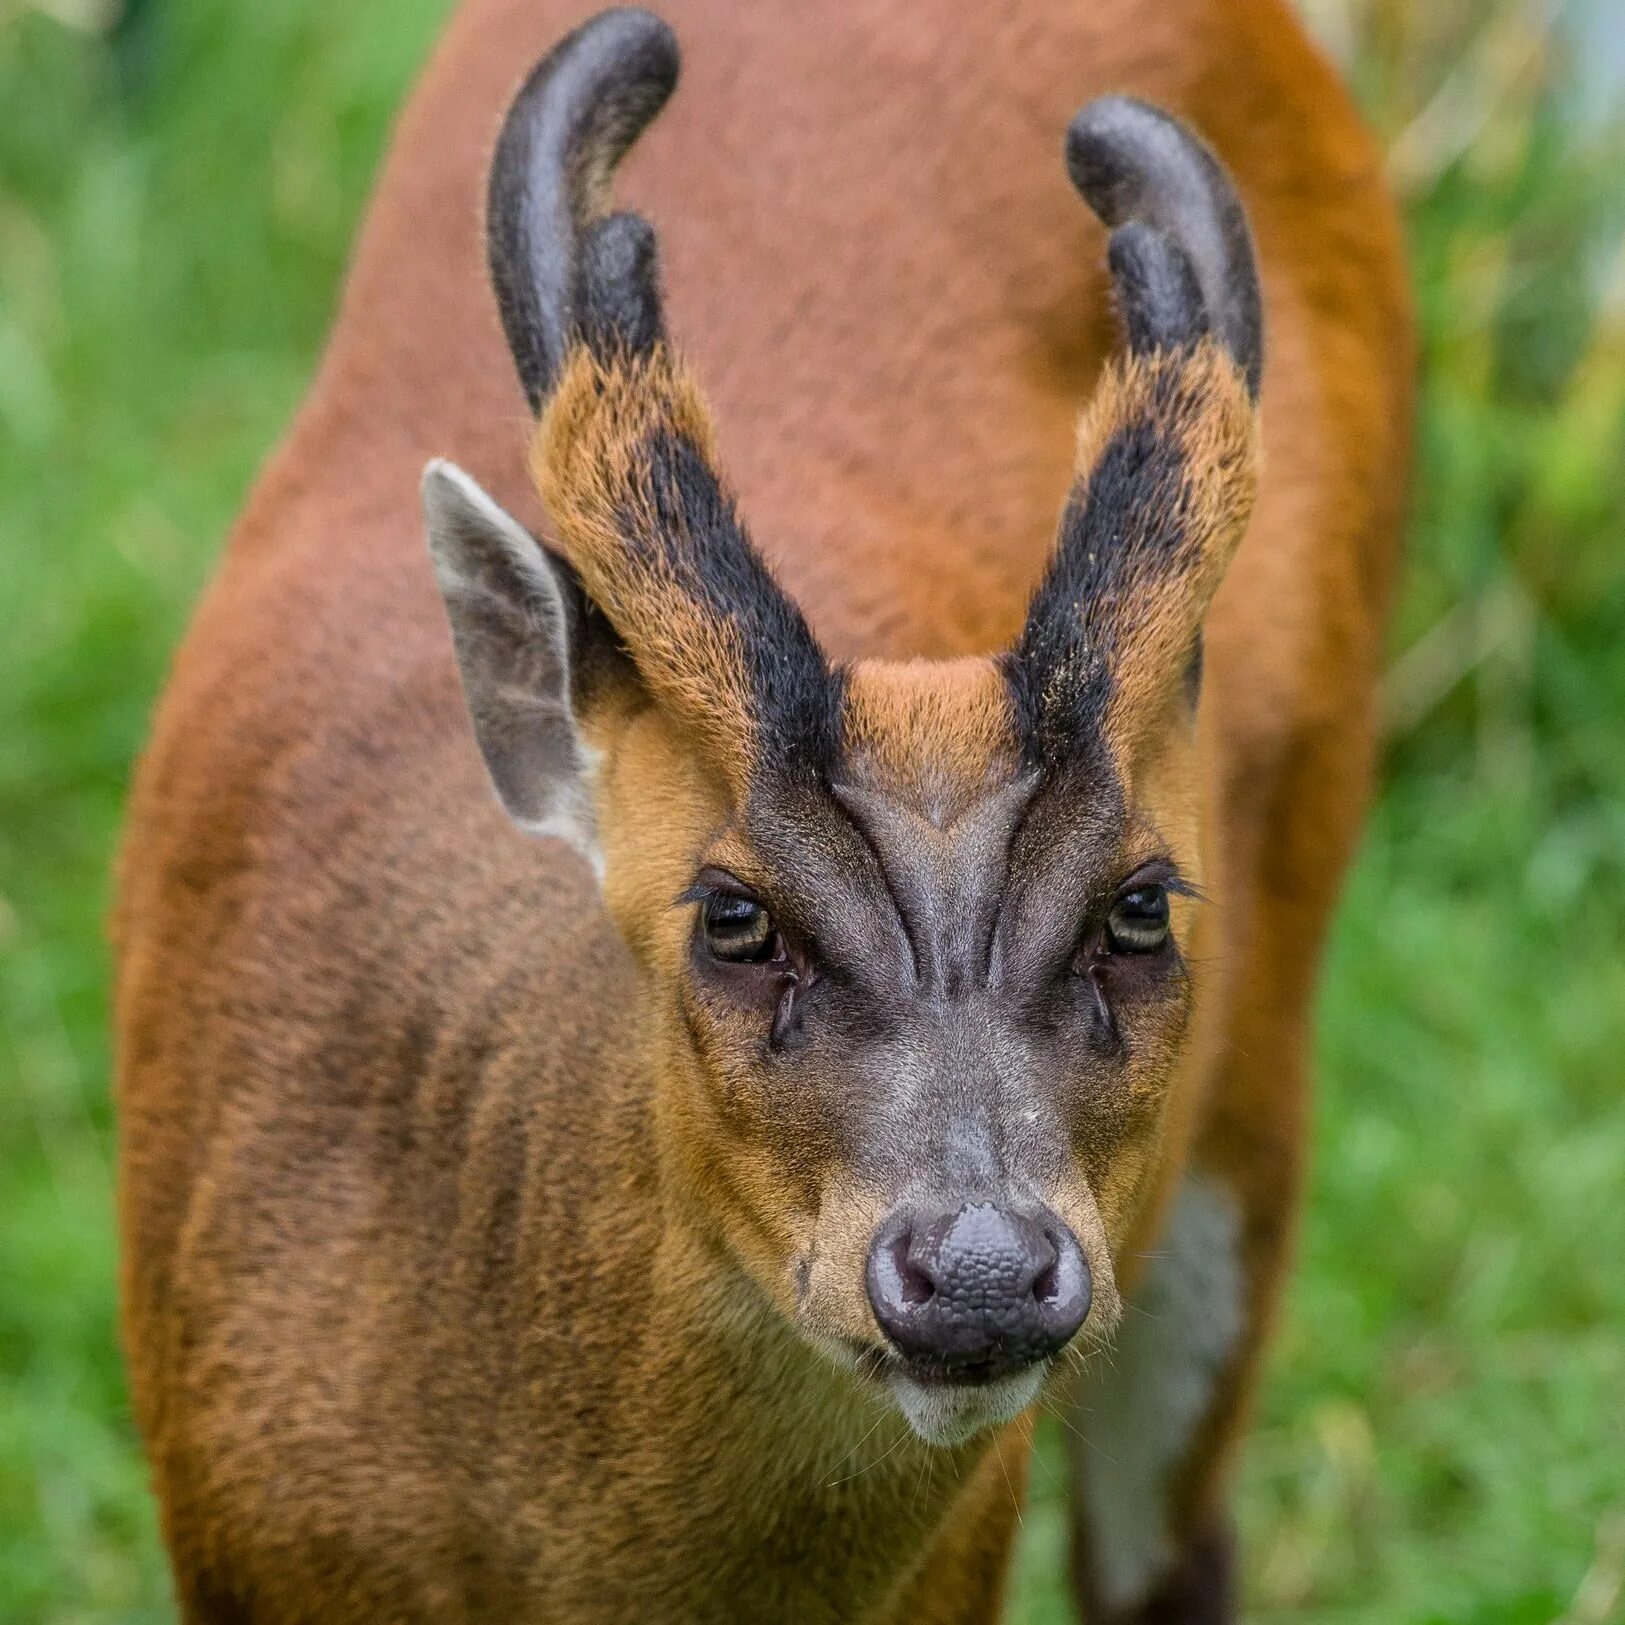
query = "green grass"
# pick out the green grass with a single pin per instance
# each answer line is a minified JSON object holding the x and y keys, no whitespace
{"x":1443,"y":1437}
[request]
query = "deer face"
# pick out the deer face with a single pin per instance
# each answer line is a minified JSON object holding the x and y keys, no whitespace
{"x":916,"y":937}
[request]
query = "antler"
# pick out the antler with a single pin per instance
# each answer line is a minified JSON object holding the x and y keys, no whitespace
{"x":1180,"y":251}
{"x":624,"y":451}
{"x":565,"y":272}
{"x":1167,"y":449}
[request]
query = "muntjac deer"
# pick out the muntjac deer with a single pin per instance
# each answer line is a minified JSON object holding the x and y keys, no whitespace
{"x":661,"y":1191}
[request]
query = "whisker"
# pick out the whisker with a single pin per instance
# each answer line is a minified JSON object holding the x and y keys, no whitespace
{"x":859,"y":1445}
{"x":1082,"y":1437}
{"x":1015,"y":1504}
{"x":837,"y":1482}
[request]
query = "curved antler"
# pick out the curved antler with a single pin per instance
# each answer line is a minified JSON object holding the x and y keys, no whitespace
{"x":1167,"y":457}
{"x":623,"y":454}
{"x":565,"y":271}
{"x":1180,"y":251}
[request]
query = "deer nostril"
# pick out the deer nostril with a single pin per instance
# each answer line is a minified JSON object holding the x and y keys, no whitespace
{"x":1070,"y":1288}
{"x":914,"y":1284}
{"x":1048,"y":1278}
{"x":898,"y":1287}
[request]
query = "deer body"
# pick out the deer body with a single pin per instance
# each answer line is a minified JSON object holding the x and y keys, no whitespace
{"x":444,"y":1299}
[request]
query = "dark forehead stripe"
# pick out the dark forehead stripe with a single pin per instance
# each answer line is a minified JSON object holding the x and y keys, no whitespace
{"x":698,"y":537}
{"x":1126,"y":533}
{"x":1060,"y":671}
{"x":946,"y":884}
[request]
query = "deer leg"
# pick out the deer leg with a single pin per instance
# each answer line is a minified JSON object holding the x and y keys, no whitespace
{"x":1156,"y":1428}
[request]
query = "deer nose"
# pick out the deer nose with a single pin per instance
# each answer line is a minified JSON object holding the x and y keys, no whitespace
{"x":978,"y":1293}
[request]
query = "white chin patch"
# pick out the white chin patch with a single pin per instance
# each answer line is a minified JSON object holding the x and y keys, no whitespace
{"x":948,"y":1413}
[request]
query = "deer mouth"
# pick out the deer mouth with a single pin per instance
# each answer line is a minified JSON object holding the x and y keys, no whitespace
{"x":948,"y":1407}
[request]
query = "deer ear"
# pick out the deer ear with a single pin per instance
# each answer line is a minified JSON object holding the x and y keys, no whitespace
{"x":515,"y":613}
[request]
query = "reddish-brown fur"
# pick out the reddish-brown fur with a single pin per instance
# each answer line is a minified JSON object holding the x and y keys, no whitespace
{"x":895,"y":300}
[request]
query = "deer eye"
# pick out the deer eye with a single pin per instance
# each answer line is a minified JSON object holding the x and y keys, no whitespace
{"x":739,"y":930}
{"x":1138,"y":922}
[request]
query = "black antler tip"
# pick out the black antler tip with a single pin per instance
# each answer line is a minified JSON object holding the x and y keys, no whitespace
{"x":1111,"y":145}
{"x":641,"y":47}
{"x":578,"y":112}
{"x":1134,"y":164}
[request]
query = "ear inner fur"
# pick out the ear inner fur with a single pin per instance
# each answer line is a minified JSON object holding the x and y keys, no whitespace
{"x":1167,"y":474}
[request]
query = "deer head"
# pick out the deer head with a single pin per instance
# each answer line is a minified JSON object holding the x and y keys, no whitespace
{"x":924,"y":986}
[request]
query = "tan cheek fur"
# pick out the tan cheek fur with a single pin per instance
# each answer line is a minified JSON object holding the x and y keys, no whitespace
{"x":650,"y":842}
{"x":835,"y":1304}
{"x":741,"y":1179}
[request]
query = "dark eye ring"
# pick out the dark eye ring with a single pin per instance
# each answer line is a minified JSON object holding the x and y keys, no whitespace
{"x":740,"y":930}
{"x":1138,"y":922}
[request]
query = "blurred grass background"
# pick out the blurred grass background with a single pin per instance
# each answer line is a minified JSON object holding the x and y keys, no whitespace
{"x":1443,"y":1438}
